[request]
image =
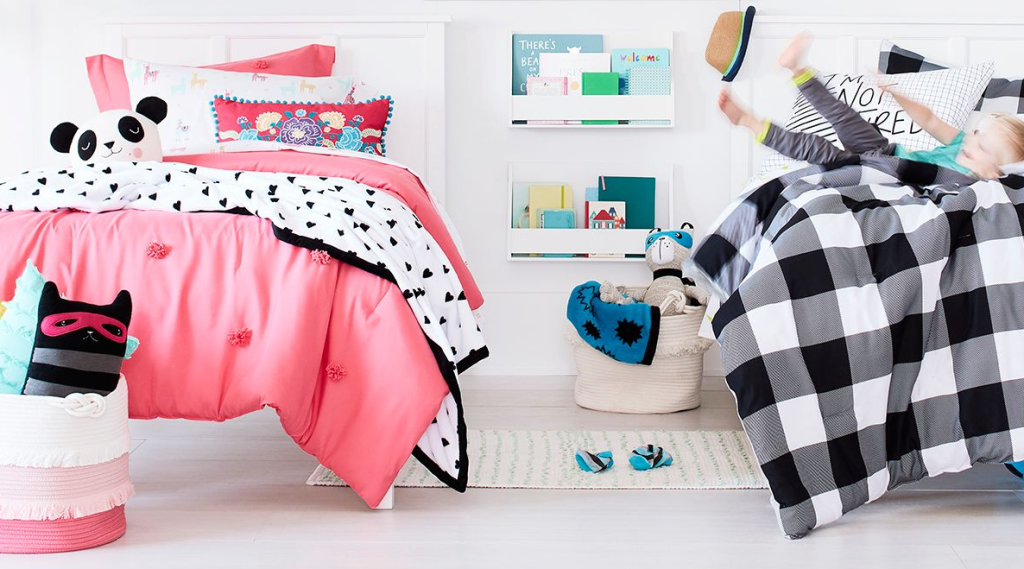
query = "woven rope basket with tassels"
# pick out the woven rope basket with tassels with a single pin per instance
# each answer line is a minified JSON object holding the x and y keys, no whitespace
{"x":671,"y":383}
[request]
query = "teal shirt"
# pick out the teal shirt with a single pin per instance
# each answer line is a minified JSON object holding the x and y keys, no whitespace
{"x":944,"y":155}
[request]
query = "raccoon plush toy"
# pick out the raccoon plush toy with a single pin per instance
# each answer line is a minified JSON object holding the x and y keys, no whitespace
{"x":665,"y":252}
{"x":79,"y":347}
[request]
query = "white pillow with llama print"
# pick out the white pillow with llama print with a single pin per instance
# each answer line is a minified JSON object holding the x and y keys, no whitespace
{"x":189,"y":127}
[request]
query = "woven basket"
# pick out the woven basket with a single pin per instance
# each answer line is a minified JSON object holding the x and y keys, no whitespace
{"x":58,"y":536}
{"x":63,"y":471}
{"x":671,"y":383}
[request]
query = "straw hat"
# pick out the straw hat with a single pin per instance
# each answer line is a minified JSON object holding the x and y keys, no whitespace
{"x":728,"y":42}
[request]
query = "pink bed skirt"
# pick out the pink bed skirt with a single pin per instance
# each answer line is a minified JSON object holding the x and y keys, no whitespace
{"x":55,"y":536}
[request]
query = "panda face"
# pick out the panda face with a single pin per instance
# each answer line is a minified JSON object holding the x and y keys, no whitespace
{"x":114,"y":136}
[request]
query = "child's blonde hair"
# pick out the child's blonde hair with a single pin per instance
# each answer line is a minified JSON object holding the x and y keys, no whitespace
{"x":1014,"y":129}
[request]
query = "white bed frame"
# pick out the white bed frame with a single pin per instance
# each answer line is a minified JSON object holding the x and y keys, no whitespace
{"x":851,"y":45}
{"x":401,"y":56}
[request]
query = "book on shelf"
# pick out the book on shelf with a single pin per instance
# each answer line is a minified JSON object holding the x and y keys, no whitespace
{"x":527,"y":48}
{"x":589,"y":195}
{"x":547,"y":87}
{"x":572,"y":65}
{"x":600,"y":83}
{"x":650,"y":81}
{"x":606,"y":215}
{"x":622,"y":60}
{"x":637,"y":192}
{"x":520,"y":206}
{"x":562,"y":218}
{"x":547,"y":196}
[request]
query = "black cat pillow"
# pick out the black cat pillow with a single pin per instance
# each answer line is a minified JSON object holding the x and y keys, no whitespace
{"x":79,"y":347}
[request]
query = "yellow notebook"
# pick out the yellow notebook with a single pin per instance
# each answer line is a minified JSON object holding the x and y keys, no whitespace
{"x":548,"y":196}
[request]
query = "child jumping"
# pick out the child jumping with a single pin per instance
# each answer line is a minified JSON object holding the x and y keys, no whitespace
{"x":997,"y":141}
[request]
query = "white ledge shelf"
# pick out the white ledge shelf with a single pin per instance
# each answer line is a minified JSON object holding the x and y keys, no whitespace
{"x":523,"y":243}
{"x":593,"y":107}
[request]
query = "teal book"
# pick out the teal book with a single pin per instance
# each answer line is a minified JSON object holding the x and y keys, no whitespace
{"x":623,"y":59}
{"x":526,"y":50}
{"x":637,"y":192}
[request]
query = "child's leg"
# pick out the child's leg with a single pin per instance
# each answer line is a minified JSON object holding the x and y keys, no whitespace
{"x":796,"y":145}
{"x":802,"y":145}
{"x":856,"y":134}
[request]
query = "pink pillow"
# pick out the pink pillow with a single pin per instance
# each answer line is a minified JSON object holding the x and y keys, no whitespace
{"x":110,"y":86}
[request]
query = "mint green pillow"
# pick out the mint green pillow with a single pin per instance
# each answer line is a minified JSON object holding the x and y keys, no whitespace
{"x":18,"y":331}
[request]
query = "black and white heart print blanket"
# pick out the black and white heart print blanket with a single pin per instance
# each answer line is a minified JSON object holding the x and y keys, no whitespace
{"x":355,"y":223}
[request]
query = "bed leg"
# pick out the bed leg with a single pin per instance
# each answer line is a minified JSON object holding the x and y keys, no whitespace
{"x":388,"y":503}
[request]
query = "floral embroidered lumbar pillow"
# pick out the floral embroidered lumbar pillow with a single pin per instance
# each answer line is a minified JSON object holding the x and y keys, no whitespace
{"x":359,"y":127}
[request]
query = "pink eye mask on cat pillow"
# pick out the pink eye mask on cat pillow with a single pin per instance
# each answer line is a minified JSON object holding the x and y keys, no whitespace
{"x":114,"y":136}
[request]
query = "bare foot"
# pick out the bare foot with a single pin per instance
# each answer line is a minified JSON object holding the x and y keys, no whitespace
{"x":736,"y":114}
{"x":792,"y":58}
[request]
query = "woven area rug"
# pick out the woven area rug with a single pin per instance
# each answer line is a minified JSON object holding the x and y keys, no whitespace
{"x":545,"y":459}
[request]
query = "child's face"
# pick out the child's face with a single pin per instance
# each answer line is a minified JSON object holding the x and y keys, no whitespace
{"x":984,"y":150}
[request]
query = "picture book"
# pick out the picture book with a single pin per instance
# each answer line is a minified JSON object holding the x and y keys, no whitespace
{"x":526,"y":50}
{"x":557,"y":218}
{"x":597,"y":83}
{"x":636,"y":192}
{"x":572,"y":65}
{"x":649,"y":81}
{"x":589,"y":195}
{"x":548,"y":196}
{"x":547,"y":87}
{"x":606,"y":215}
{"x":520,"y":206}
{"x":623,"y":59}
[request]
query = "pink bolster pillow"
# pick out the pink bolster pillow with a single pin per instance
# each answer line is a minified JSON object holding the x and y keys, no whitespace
{"x":110,"y":86}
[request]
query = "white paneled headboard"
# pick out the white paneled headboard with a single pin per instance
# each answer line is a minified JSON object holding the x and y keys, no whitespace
{"x":851,"y":45}
{"x":402,"y":57}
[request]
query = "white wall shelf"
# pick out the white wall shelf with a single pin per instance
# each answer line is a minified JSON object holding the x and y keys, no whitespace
{"x":660,"y":108}
{"x":527,"y":245}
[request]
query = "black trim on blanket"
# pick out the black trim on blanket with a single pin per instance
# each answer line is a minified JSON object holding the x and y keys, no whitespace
{"x":446,"y":368}
{"x":652,"y":342}
{"x":474,"y":357}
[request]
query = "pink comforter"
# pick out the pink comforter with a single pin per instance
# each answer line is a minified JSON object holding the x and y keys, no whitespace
{"x":334,"y":349}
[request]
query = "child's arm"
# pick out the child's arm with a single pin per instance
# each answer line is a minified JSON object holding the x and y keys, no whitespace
{"x":924,"y":117}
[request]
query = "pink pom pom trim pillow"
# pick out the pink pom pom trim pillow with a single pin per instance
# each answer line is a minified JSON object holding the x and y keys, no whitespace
{"x":359,"y":127}
{"x":110,"y":86}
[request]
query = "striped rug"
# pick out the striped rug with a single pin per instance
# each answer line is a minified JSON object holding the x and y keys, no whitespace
{"x":503,"y":458}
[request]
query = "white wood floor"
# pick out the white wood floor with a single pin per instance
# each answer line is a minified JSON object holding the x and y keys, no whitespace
{"x":232,"y":495}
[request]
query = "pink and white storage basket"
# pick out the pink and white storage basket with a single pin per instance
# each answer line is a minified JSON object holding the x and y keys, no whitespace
{"x":63,"y":471}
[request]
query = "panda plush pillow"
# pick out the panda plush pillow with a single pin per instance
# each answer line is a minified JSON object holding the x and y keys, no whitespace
{"x":114,"y":136}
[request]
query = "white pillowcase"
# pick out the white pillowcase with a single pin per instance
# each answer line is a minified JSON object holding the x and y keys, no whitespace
{"x":189,"y":127}
{"x":950,"y":93}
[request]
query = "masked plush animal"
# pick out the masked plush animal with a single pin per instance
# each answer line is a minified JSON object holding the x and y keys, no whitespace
{"x":666,"y":252}
{"x":114,"y":136}
{"x":79,"y":347}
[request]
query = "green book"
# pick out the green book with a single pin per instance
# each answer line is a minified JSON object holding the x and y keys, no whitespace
{"x":596,"y":83}
{"x":637,"y":192}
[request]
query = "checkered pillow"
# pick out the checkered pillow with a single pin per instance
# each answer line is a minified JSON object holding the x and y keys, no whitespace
{"x":1001,"y":96}
{"x":950,"y":93}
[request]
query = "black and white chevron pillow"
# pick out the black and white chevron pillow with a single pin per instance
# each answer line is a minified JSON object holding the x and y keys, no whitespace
{"x":951,"y":93}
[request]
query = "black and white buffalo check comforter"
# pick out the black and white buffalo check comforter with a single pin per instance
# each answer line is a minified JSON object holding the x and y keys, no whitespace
{"x":872,"y":328}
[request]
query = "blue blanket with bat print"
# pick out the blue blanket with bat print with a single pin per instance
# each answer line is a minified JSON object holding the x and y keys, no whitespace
{"x":624,"y":332}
